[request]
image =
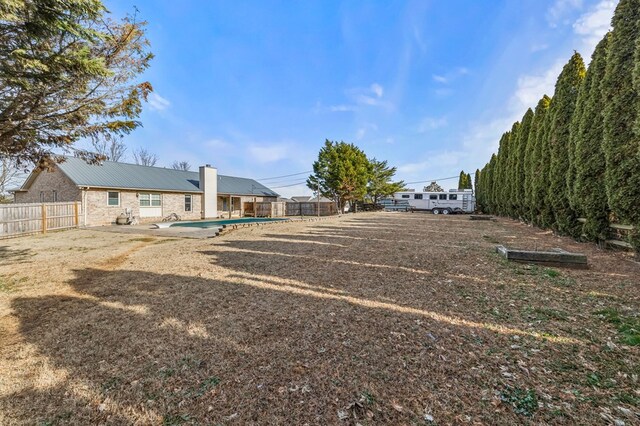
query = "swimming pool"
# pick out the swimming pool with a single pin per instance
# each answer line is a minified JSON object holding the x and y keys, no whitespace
{"x":224,"y":222}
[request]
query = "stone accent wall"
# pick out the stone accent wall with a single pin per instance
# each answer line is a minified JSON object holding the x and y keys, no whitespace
{"x":100,"y":213}
{"x":47,"y":182}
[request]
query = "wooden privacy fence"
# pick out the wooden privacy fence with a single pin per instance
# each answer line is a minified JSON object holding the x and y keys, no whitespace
{"x":35,"y":218}
{"x":265,"y":209}
{"x":310,"y":208}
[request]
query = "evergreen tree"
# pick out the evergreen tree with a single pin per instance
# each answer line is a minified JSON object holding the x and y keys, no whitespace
{"x":589,"y":197}
{"x":340,"y":173}
{"x":462,"y":180}
{"x":620,"y":97}
{"x":476,"y":181}
{"x":532,"y":159}
{"x":563,"y":106}
{"x":380,"y":183}
{"x":542,"y":214}
{"x":518,"y":193}
{"x":67,"y":72}
{"x":489,"y":197}
{"x":507,"y":193}
{"x":469,"y":183}
{"x":499,"y":189}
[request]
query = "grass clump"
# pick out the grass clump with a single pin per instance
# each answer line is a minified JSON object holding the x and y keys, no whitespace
{"x":628,"y":327}
{"x":523,"y":401}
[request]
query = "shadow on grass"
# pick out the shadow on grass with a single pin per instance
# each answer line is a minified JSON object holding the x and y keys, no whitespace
{"x":141,"y":347}
{"x":10,"y":256}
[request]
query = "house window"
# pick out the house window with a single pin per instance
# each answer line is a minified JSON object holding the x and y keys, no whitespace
{"x":42,"y":196}
{"x":187,"y":203}
{"x":406,"y":196}
{"x":453,"y":196}
{"x":433,"y":196}
{"x":442,"y":196}
{"x":150,"y":200}
{"x":113,"y":198}
{"x":55,"y":196}
{"x":417,"y":196}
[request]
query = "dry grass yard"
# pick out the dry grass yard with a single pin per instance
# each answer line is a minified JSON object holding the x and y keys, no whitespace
{"x":367,"y":319}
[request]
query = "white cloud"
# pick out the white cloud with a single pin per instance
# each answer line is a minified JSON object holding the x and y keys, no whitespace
{"x":530,"y":88}
{"x":217,"y":144}
{"x":377,"y":89}
{"x":539,"y":47}
{"x":593,"y":25}
{"x":372,"y":96}
{"x":157,"y":102}
{"x":362,"y":131}
{"x":270,"y":153}
{"x":435,"y":163}
{"x":342,"y":108}
{"x":432,"y":123}
{"x":560,"y":10}
{"x":450,"y":76}
{"x":440,"y":79}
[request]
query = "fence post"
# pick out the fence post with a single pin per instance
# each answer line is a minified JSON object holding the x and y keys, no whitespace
{"x":44,"y":218}
{"x":75,"y":214}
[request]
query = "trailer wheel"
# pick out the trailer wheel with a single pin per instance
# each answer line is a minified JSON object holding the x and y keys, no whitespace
{"x":435,"y":211}
{"x":446,"y":211}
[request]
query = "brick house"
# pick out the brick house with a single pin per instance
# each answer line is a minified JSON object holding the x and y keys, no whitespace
{"x":149,"y":193}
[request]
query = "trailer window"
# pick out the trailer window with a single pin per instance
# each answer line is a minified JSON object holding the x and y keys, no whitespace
{"x":442,"y":196}
{"x":406,"y":196}
{"x":433,"y":197}
{"x":453,"y":196}
{"x":417,"y":196}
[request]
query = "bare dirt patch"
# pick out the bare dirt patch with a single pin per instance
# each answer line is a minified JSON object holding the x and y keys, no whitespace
{"x":370,"y":319}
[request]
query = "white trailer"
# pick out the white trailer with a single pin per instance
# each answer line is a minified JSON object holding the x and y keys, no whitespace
{"x":454,"y":201}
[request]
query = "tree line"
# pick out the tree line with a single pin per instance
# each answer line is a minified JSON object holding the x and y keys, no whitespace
{"x":577,"y":155}
{"x":344,"y":173}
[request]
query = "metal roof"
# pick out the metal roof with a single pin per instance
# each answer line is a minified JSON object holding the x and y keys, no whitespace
{"x":111,"y":174}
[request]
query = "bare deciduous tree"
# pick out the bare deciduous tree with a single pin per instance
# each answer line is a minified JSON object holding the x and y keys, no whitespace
{"x":433,"y":187}
{"x":144,"y":158}
{"x":10,"y":177}
{"x":112,"y":150}
{"x":181,"y":165}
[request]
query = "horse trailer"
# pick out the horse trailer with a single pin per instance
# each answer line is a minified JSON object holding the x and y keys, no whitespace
{"x":454,"y":201}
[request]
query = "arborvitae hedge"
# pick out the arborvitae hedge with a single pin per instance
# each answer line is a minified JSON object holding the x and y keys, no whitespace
{"x":578,"y":154}
{"x":620,"y":101}
{"x":562,"y":108}
{"x":532,"y":158}
{"x":588,"y":193}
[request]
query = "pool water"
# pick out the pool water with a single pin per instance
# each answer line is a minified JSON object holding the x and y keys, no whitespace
{"x":220,"y":222}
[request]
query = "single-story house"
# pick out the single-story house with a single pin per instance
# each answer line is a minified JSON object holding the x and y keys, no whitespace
{"x":150,"y":193}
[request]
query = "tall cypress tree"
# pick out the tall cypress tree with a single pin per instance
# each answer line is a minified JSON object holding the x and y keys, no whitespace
{"x":543,"y":215}
{"x":562,"y":109}
{"x":518,"y":192}
{"x":490,"y":184}
{"x":499,"y":189}
{"x":469,"y":183}
{"x":532,"y":158}
{"x":622,"y":175}
{"x":589,"y":197}
{"x":476,"y":181}
{"x":509,"y":175}
{"x":462,"y":180}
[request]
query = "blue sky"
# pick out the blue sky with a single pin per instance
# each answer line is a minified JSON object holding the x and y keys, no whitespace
{"x":255,"y":87}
